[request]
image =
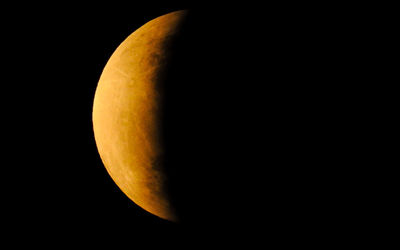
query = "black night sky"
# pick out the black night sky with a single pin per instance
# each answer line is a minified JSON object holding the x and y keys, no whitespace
{"x":255,"y":122}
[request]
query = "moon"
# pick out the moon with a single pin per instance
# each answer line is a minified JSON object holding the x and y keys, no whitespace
{"x":127,"y":112}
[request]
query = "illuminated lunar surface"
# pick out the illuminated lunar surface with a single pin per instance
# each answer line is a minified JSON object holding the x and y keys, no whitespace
{"x":126,"y":114}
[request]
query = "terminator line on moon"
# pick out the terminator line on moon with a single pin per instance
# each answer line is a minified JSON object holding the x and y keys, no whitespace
{"x":126,"y":114}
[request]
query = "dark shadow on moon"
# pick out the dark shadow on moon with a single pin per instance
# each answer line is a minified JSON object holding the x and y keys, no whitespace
{"x":244,"y":122}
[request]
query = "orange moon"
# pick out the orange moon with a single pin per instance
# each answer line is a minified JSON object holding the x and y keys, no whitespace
{"x":126,"y":114}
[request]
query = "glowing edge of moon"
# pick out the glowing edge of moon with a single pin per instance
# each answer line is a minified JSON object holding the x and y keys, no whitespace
{"x":126,"y":112}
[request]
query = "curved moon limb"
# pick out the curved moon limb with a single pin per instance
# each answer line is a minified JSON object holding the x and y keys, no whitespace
{"x":126,"y":114}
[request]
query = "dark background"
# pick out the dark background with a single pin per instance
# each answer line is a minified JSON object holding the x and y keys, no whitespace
{"x":269,"y":123}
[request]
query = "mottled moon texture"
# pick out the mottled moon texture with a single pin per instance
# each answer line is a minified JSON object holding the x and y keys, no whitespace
{"x":126,"y":114}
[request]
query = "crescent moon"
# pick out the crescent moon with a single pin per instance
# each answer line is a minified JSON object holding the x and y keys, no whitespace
{"x":126,"y":114}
